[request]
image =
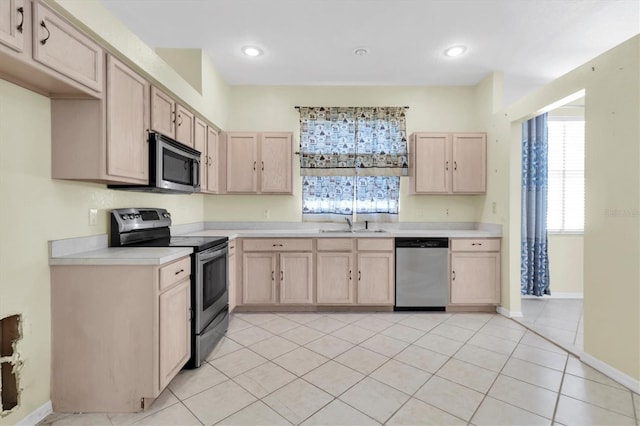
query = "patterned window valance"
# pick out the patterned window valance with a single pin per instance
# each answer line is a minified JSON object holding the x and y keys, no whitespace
{"x":348,"y":141}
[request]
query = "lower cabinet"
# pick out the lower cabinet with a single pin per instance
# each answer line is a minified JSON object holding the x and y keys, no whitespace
{"x":376,"y":272}
{"x":475,"y":271}
{"x":334,"y":284}
{"x":273,"y":275}
{"x":119,"y":334}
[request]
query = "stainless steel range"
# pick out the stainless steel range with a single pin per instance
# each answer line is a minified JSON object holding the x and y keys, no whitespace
{"x":149,"y":227}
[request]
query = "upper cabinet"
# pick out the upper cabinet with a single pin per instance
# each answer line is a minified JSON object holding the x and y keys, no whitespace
{"x":12,"y":26}
{"x":258,"y":163}
{"x":170,"y":118}
{"x":206,"y":141}
{"x":103,"y":140}
{"x":45,"y":53}
{"x":448,"y":163}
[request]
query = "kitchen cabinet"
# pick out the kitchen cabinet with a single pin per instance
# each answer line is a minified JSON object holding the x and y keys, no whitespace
{"x":170,"y":118}
{"x":258,"y":163}
{"x":103,"y":140}
{"x":376,"y":276}
{"x":475,"y":271}
{"x":119,"y":334}
{"x":448,"y":163}
{"x":206,"y":141}
{"x":335,"y":270}
{"x":12,"y":14}
{"x":277,"y":271}
{"x":43,"y":52}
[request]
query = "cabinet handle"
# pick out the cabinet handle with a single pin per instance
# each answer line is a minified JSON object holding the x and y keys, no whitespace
{"x":446,"y":166}
{"x":43,"y":25}
{"x":277,"y":245}
{"x":180,"y":271}
{"x":180,"y":118}
{"x":262,"y":165}
{"x":349,"y":274}
{"x":359,"y":275}
{"x":210,"y":161}
{"x":281,"y":275}
{"x":21,"y":12}
{"x":173,"y":120}
{"x":273,"y":275}
{"x":254,"y":166}
{"x":476,"y":244}
{"x":455,"y":165}
{"x":453,"y":273}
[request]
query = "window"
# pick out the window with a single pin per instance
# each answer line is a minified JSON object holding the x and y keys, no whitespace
{"x":351,"y":159}
{"x":565,"y":206}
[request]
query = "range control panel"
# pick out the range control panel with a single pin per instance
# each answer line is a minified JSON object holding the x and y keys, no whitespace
{"x":133,"y":219}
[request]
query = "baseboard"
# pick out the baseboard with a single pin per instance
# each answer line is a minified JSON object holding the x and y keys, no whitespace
{"x":557,"y":295}
{"x":606,"y":369}
{"x":37,"y":415}
{"x":507,"y":313}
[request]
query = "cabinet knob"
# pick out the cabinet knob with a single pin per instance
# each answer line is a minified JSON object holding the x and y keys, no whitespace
{"x":21,"y":12}
{"x":43,"y":25}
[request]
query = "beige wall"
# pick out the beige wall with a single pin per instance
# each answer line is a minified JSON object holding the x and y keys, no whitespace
{"x":566,"y":263}
{"x":612,"y":199}
{"x":252,"y":108}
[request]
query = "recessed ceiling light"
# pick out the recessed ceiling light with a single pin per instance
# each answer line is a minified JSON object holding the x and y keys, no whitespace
{"x":252,"y":51}
{"x":454,"y":51}
{"x":361,"y":51}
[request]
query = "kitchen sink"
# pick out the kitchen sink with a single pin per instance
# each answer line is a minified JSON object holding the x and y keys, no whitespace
{"x":335,"y":231}
{"x":367,"y":231}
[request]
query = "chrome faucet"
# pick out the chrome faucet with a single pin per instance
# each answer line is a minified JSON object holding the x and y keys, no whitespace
{"x":349,"y":223}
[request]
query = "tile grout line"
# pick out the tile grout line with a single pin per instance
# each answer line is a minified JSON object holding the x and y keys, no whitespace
{"x":555,"y":409}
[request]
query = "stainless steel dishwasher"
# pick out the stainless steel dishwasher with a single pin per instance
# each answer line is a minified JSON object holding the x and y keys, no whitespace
{"x":422,"y":274}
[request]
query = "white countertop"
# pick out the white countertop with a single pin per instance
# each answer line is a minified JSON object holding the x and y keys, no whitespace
{"x":123,"y":256}
{"x":315,"y":233}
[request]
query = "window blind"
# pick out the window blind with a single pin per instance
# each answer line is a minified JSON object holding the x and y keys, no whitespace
{"x":565,"y":204}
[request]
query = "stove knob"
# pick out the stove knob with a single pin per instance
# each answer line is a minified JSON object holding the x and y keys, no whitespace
{"x":137,"y":216}
{"x":132,"y":216}
{"x":124,"y":216}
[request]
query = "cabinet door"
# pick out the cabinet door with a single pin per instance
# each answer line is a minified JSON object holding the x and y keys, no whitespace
{"x":200,"y":144}
{"x":259,"y":278}
{"x":66,"y":50}
{"x":275,"y":163}
{"x":12,"y":24}
{"x":475,"y":278}
{"x":335,"y":278}
{"x":242,"y":162}
{"x":470,"y":163}
{"x":213,"y":160}
{"x":175,"y":330}
{"x":375,"y":278}
{"x":184,"y":125}
{"x":432,"y":163}
{"x":163,"y":109}
{"x":127,"y":122}
{"x":296,"y":278}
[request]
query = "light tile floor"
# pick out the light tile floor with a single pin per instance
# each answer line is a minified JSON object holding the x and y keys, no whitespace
{"x":383,"y":368}
{"x":559,"y":320}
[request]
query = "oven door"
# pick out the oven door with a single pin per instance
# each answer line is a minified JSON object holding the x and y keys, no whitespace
{"x":177,"y":167}
{"x":211,"y":293}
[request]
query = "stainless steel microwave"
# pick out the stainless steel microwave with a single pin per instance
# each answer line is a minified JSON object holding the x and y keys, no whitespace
{"x":173,"y":167}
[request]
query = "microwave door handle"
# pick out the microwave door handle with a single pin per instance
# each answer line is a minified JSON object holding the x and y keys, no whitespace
{"x":196,"y":171}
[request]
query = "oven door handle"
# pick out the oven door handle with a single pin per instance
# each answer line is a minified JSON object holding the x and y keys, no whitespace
{"x":206,"y":256}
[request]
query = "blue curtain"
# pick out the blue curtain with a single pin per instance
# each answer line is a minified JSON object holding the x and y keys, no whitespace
{"x":534,"y":279}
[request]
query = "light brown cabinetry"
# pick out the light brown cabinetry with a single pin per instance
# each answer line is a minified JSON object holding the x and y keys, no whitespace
{"x":448,"y":163}
{"x":12,"y":16}
{"x":103,"y":140}
{"x":258,"y":163}
{"x":475,"y":271}
{"x":170,"y":118}
{"x":206,"y":141}
{"x":119,"y":334}
{"x":376,"y":277}
{"x":43,"y":52}
{"x":277,"y":271}
{"x":335,"y":270}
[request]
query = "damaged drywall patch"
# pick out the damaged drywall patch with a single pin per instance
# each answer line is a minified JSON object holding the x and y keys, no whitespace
{"x":10,"y":363}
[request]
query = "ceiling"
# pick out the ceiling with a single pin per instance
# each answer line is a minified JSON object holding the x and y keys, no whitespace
{"x":312,"y":42}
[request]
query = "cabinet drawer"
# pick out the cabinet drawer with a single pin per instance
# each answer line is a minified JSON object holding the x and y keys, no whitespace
{"x":66,"y":50}
{"x":174,"y":272}
{"x":375,"y":244}
{"x":278,"y":244}
{"x":335,"y":244}
{"x":475,"y":244}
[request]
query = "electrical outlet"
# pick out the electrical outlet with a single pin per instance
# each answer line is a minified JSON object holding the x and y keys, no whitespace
{"x":93,"y":217}
{"x":493,"y":207}
{"x":267,"y":213}
{"x":446,"y":211}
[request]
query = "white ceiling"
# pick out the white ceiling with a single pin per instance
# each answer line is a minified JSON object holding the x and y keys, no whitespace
{"x":311,"y":42}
